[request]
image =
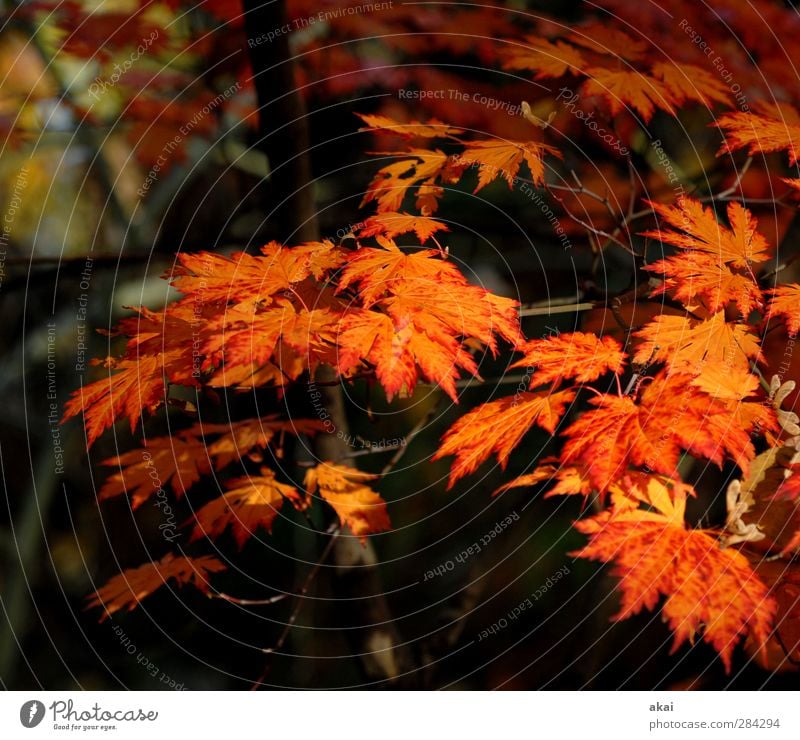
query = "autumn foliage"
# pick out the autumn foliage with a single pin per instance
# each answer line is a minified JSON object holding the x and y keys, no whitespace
{"x":631,"y":409}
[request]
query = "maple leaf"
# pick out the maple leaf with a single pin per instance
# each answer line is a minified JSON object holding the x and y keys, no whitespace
{"x":410,"y":130}
{"x":465,"y":310}
{"x":740,"y":245}
{"x":242,"y":439}
{"x":577,"y":355}
{"x":497,"y":428}
{"x":705,"y":426}
{"x":690,"y":82}
{"x":391,"y":183}
{"x":569,"y":480}
{"x":498,"y":158}
{"x":181,"y":459}
{"x":603,"y":38}
{"x":393,"y":224}
{"x":177,"y":461}
{"x":769,"y":127}
{"x":355,"y":503}
{"x":547,"y":58}
{"x":245,"y":278}
{"x":378,"y":271}
{"x":687,"y":345}
{"x":705,"y":589}
{"x":135,"y":386}
{"x":293,"y":340}
{"x":623,"y":88}
{"x":662,"y":493}
{"x":431,"y":309}
{"x":731,"y":386}
{"x":128,"y":588}
{"x":717,"y":267}
{"x":786,"y":302}
{"x":249,"y":502}
{"x":672,"y":415}
{"x":397,"y":351}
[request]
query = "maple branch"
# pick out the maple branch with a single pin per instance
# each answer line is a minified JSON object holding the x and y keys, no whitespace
{"x":592,"y":229}
{"x":248,"y":602}
{"x":737,"y":183}
{"x":553,"y":308}
{"x":334,"y":530}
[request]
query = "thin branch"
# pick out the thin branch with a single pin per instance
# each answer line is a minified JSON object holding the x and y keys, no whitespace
{"x":248,"y":602}
{"x":737,"y":183}
{"x":334,"y":530}
{"x":562,"y":308}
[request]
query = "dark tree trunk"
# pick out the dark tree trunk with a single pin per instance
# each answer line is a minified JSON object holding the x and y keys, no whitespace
{"x":283,"y":136}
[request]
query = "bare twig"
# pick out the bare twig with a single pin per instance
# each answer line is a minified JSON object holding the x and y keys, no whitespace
{"x":248,"y":602}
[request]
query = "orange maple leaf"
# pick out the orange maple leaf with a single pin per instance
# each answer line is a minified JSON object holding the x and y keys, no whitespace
{"x":134,"y":387}
{"x":396,"y":351}
{"x":672,"y":415}
{"x":570,"y":480}
{"x":248,"y":503}
{"x":178,"y":461}
{"x":624,"y":88}
{"x":690,"y":82}
{"x":497,"y":428}
{"x":547,"y":58}
{"x":769,"y":127}
{"x":128,"y":588}
{"x":391,"y":183}
{"x":706,"y":589}
{"x":376,"y":272}
{"x":393,"y":224}
{"x":732,"y":386}
{"x":577,"y":355}
{"x":685,"y":345}
{"x":410,"y":130}
{"x":356,"y":504}
{"x":245,"y":278}
{"x":499,"y":158}
{"x":602,"y":38}
{"x":717,"y":268}
{"x":240,"y":439}
{"x":786,"y":303}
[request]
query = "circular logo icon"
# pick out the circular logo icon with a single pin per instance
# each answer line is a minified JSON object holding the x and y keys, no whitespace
{"x":32,"y":713}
